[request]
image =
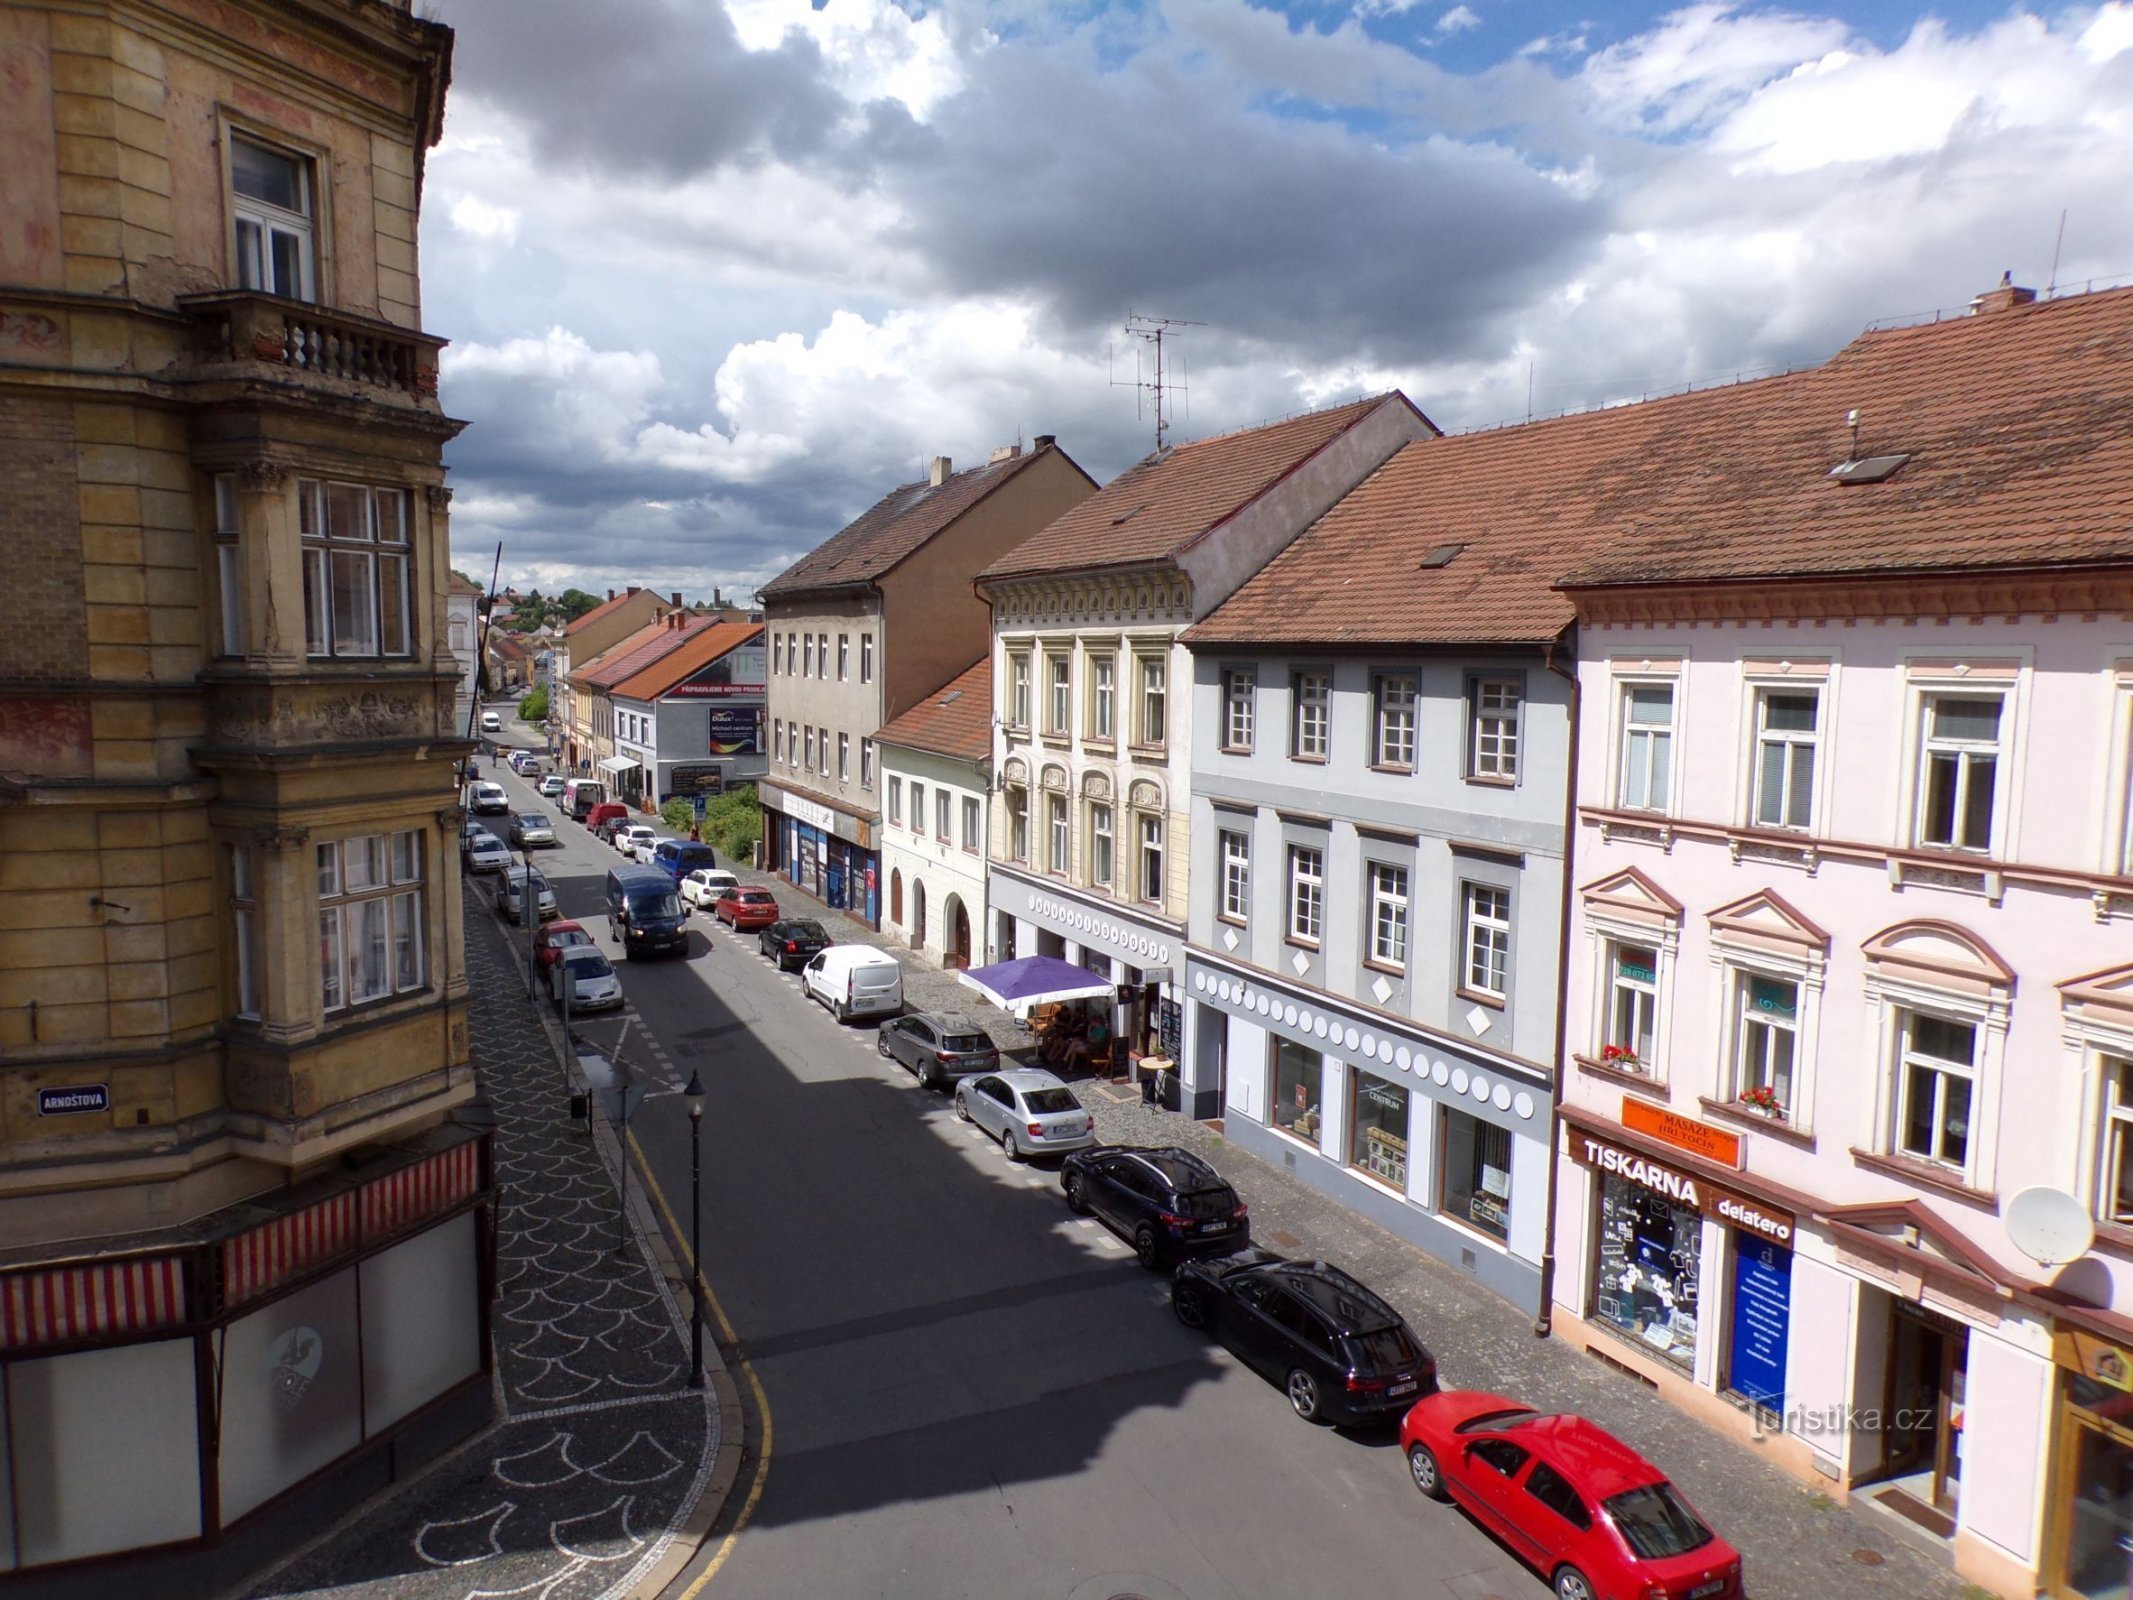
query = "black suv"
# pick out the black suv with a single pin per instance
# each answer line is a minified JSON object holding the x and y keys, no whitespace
{"x":792,"y":942}
{"x":1340,"y":1353}
{"x":1168,"y":1202}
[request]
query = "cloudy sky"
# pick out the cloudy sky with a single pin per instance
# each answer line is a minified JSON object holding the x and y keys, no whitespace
{"x":718,"y":276}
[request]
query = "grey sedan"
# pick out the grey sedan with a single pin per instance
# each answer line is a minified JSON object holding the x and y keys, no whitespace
{"x":530,"y":828}
{"x":938,"y":1046}
{"x":1029,"y":1111}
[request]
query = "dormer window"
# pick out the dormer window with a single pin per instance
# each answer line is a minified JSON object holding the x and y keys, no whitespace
{"x":272,"y":197}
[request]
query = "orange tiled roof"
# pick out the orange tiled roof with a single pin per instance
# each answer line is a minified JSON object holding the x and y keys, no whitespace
{"x":1164,"y":503}
{"x":698,"y":648}
{"x":954,"y":721}
{"x":897,"y":524}
{"x":2018,"y":424}
{"x":634,"y":652}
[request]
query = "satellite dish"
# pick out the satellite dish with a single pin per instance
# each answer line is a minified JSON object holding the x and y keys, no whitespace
{"x":2049,"y":1226}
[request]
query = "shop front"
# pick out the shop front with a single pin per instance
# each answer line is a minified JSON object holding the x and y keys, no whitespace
{"x":2091,"y":1537}
{"x":624,"y":777}
{"x":822,"y":851}
{"x":1134,"y":951}
{"x":1437,"y":1141}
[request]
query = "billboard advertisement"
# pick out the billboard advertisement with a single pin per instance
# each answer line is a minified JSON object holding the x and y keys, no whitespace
{"x":735,"y":729}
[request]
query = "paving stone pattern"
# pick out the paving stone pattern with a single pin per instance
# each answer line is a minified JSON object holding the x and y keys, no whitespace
{"x":604,"y":1449}
{"x":1796,"y":1543}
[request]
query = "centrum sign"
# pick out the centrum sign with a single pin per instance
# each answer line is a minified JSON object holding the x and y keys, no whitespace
{"x":78,"y":1097}
{"x":1684,"y":1189}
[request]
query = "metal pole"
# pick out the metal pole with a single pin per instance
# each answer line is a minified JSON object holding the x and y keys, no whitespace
{"x":622,"y":1145}
{"x":696,"y":1243}
{"x":529,"y":910}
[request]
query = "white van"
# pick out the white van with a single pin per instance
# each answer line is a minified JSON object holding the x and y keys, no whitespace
{"x":856,"y":980}
{"x":491,"y":722}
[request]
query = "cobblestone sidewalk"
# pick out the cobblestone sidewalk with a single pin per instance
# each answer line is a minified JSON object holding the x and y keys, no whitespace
{"x":603,"y":1450}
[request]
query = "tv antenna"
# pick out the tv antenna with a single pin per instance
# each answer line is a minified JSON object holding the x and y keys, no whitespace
{"x":1152,"y":331}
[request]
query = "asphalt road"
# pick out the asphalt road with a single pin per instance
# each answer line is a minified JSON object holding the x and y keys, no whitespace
{"x":972,"y":1393}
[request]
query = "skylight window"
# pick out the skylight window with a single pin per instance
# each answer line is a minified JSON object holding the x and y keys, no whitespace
{"x":1441,"y":556}
{"x":1872,"y":470}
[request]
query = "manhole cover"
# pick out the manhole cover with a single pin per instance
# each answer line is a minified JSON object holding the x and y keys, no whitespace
{"x":1868,"y":1558}
{"x":1287,"y":1240}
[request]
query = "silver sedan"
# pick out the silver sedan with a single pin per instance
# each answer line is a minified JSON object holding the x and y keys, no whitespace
{"x":1029,"y":1111}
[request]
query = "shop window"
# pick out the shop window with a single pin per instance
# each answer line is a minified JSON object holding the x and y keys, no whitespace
{"x":1299,"y":1081}
{"x":1475,"y":1187}
{"x":1765,"y":1043}
{"x":1393,"y":722}
{"x":273,"y":199}
{"x":1487,"y":940}
{"x":1377,"y":1130}
{"x":2115,"y":1192}
{"x":1239,"y":690}
{"x":1307,"y":893}
{"x":1100,"y":846}
{"x":421,"y":1321}
{"x":1493,"y":706}
{"x":1649,"y":1259}
{"x":1631,"y":1032}
{"x":370,"y":918}
{"x":1310,"y":732}
{"x":1786,"y":737}
{"x":355,"y":554}
{"x":1388,"y":915}
{"x":1936,"y":1074}
{"x":1236,"y":852}
{"x":1646,"y":779}
{"x":1959,"y":757}
{"x":1103,"y":698}
{"x":292,"y":1395}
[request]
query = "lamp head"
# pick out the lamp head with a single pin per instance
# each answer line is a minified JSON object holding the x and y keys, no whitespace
{"x":693,"y":1093}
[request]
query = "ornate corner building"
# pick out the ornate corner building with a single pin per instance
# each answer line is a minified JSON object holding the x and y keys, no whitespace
{"x":237,"y":1183}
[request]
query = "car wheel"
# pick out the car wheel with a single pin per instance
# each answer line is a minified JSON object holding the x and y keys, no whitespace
{"x":1076,"y":1201}
{"x":1010,"y":1144}
{"x":1189,"y":1301}
{"x":843,"y":1013}
{"x":928,"y":1078}
{"x":1571,"y":1584}
{"x":1303,"y":1395}
{"x":881,"y":1047}
{"x":1422,"y":1467}
{"x":962,"y":1109}
{"x":1145,"y":1247}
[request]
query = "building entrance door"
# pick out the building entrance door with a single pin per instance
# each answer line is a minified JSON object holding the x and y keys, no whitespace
{"x":1923,"y":1452}
{"x":959,"y":938}
{"x":2098,"y":1518}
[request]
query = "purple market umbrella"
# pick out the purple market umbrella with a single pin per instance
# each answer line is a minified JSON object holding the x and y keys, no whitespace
{"x":1016,"y":986}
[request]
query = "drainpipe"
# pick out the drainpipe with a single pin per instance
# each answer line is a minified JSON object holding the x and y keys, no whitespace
{"x":1543,"y":1324}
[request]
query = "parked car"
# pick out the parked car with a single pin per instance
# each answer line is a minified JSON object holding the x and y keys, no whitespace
{"x":491,"y":722}
{"x":531,"y":828}
{"x":523,"y":762}
{"x":1588,"y":1513}
{"x":1028,"y":1110}
{"x":1339,"y":1352}
{"x":487,"y":854}
{"x":937,"y":1046}
{"x":598,"y":815}
{"x":1170,"y":1203}
{"x":551,"y":787}
{"x":702,"y":887}
{"x":520,"y":884}
{"x":629,"y":835}
{"x":851,"y":980}
{"x":587,"y":976}
{"x":582,"y":797}
{"x":608,"y":827}
{"x":558,"y":936}
{"x":644,"y":850}
{"x":677,"y":858}
{"x":645,"y":912}
{"x":792,"y":941}
{"x":741,"y":909}
{"x":470,"y":829}
{"x":486,"y":797}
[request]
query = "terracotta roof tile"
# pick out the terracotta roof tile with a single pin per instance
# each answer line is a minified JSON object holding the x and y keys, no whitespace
{"x":954,"y":721}
{"x":899,"y":523}
{"x":634,"y":652}
{"x":1159,"y":506}
{"x":2018,"y":425}
{"x":699,"y":647}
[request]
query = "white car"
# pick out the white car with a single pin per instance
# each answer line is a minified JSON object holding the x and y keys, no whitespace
{"x":706,"y":884}
{"x":484,"y":796}
{"x":524,"y":762}
{"x":641,"y":849}
{"x":627,"y":837}
{"x":552,"y":786}
{"x":1028,"y":1110}
{"x":518,"y":883}
{"x":491,"y":722}
{"x":487,"y":853}
{"x":590,"y":975}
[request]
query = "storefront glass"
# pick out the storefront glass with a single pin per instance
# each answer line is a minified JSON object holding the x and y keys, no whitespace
{"x":1298,"y":1081}
{"x":2098,"y":1562}
{"x":1377,"y":1130}
{"x":1645,"y":1281}
{"x":1477,"y":1173}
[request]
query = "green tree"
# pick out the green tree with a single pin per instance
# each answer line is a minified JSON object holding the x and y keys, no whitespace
{"x":534,"y":707}
{"x":574,"y":603}
{"x":733,"y":823}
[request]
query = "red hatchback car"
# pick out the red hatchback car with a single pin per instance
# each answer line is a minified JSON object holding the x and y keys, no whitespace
{"x":1593,"y":1517}
{"x":746,"y":909}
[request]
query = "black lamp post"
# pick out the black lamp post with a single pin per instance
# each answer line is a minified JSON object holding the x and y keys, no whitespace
{"x":694,"y":1094}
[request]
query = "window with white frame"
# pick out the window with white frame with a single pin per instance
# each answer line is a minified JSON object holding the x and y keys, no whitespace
{"x":1388,"y":914}
{"x":355,"y":552}
{"x":2114,"y":1190}
{"x":866,"y":763}
{"x":272,"y":196}
{"x":1236,"y":852}
{"x":777,"y":655}
{"x":823,"y":734}
{"x":1018,"y":824}
{"x":809,"y":764}
{"x":1239,"y":691}
{"x":244,"y":922}
{"x":1155,"y":701}
{"x":844,"y":656}
{"x":1487,"y":939}
{"x":1056,"y":827}
{"x":1630,"y":1031}
{"x":1101,"y":846}
{"x":370,"y":918}
{"x":1151,"y":852}
{"x":1311,"y":720}
{"x":1492,"y":713}
{"x":1958,"y":769}
{"x":1018,"y":690}
{"x":822,"y":653}
{"x":1787,"y":733}
{"x":866,"y":658}
{"x":1393,"y":721}
{"x":1058,"y":705}
{"x":229,"y":569}
{"x":1103,"y":697}
{"x":918,"y":808}
{"x":896,"y":800}
{"x":844,"y":758}
{"x":1766,"y":1036}
{"x":1307,"y":893}
{"x":943,"y":806}
{"x":807,"y":655}
{"x":973,"y":829}
{"x":1646,"y":780}
{"x":792,"y":743}
{"x":1936,"y":1070}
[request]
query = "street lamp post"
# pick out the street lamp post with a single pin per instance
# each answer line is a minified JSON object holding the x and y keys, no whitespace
{"x":694,"y":1094}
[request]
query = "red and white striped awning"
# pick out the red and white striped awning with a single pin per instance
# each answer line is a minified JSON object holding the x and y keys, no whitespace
{"x":422,"y":1190}
{"x":85,"y":1302}
{"x":256,"y":1261}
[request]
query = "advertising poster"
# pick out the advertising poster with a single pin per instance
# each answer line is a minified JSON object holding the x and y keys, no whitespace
{"x":1762,"y":1319}
{"x":734,"y":729}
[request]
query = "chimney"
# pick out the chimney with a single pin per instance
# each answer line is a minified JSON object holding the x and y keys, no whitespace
{"x":938,"y":475}
{"x":611,"y":594}
{"x":2005,"y":298}
{"x":1006,"y":452}
{"x":1045,"y":441}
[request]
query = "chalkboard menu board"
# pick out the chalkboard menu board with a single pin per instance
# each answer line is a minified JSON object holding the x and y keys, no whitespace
{"x":1170,"y":1030}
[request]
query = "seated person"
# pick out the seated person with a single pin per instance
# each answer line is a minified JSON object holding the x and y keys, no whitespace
{"x":1093,"y":1044}
{"x":1062,"y":1036}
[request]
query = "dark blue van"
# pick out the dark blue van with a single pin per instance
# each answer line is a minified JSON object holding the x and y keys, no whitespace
{"x":680,"y":857}
{"x":645,"y":912}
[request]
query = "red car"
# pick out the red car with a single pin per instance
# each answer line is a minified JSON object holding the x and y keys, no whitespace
{"x":556,"y":937}
{"x":746,"y":909}
{"x":1593,"y":1517}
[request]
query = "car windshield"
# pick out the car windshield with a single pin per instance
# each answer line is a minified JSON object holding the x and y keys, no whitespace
{"x":1497,"y":1421}
{"x":1045,"y":1102}
{"x":966,"y":1042}
{"x":691,"y":853}
{"x":1383,"y":1349}
{"x":654,"y":905}
{"x":570,"y":938}
{"x":1657,"y":1522}
{"x":587,"y":963}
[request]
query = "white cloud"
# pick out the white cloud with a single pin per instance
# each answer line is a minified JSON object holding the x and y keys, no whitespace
{"x":874,"y":49}
{"x":1700,"y":62}
{"x":479,"y":219}
{"x":2111,"y":34}
{"x":1458,"y":20}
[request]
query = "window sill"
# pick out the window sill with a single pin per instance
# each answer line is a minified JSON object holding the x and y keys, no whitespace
{"x":1373,"y":964}
{"x":1495,"y":1002}
{"x":1148,"y":752}
{"x":1393,"y":768}
{"x":1097,"y":744}
{"x":1235,"y":749}
{"x":1308,"y":761}
{"x":1482,"y":780}
{"x":2118,"y":1235}
{"x":1365,"y":1175}
{"x":1739,"y":1116}
{"x":1311,"y":1145}
{"x":1926,"y":1173}
{"x":1230,"y":921}
{"x":1298,"y":943}
{"x":1634,"y":1076}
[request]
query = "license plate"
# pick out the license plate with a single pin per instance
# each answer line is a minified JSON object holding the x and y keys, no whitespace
{"x":1408,"y":1387}
{"x":1213,"y":1227}
{"x":1715,"y":1586}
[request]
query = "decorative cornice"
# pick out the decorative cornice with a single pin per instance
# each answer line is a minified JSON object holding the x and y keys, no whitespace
{"x":1869,"y":597}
